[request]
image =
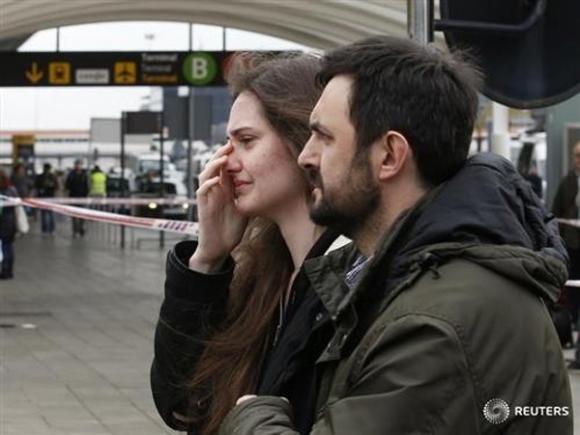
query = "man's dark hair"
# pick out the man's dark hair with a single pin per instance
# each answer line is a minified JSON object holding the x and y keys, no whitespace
{"x":428,"y":96}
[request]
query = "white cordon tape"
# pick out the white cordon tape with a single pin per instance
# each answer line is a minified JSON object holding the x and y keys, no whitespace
{"x":573,"y":222}
{"x":169,"y":225}
{"x":173,"y":226}
{"x":107,"y":201}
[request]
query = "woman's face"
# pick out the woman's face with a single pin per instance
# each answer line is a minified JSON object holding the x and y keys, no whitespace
{"x":265,"y":176}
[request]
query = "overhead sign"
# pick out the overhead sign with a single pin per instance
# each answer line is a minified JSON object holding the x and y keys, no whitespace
{"x":86,"y":76}
{"x":23,"y":147}
{"x":143,"y":122}
{"x":113,"y":69}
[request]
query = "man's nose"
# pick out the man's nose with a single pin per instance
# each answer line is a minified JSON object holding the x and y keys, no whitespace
{"x":308,"y":158}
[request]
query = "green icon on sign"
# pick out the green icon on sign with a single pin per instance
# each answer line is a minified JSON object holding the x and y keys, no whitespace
{"x":199,"y":68}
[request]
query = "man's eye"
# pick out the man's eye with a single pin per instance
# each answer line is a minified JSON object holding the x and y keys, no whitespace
{"x":321,"y":136}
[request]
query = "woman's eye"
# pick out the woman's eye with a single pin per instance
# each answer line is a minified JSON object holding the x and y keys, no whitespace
{"x":246,"y":141}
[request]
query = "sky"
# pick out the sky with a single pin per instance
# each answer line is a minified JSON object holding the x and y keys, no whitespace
{"x":71,"y":108}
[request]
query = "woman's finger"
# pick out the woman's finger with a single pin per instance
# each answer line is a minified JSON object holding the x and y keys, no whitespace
{"x":222,"y":151}
{"x":211,"y":168}
{"x":207,"y":185}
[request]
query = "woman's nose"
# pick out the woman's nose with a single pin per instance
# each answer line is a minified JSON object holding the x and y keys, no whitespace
{"x":234,"y":163}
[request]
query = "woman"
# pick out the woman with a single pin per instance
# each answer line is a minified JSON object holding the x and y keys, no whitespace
{"x":239,"y":317}
{"x":7,"y":227}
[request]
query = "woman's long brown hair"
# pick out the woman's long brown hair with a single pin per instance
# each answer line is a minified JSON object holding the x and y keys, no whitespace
{"x":229,"y":367}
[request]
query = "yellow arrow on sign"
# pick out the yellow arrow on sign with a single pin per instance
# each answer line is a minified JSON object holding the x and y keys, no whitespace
{"x":35,"y":74}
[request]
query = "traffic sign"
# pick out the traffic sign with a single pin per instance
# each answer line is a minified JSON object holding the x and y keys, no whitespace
{"x":176,"y":68}
{"x":34,"y":75}
{"x":59,"y":73}
{"x":125,"y":73}
{"x":199,"y":68}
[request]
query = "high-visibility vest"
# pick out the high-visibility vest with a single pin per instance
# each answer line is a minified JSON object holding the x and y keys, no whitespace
{"x":98,"y":184}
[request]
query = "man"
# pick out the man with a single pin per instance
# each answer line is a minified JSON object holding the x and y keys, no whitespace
{"x":21,"y":180}
{"x":440,"y":322}
{"x":46,"y":185}
{"x":567,"y":206}
{"x":98,"y":184}
{"x":77,"y":185}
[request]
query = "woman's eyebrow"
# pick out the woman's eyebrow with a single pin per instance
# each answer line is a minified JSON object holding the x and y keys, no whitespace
{"x":237,"y":131}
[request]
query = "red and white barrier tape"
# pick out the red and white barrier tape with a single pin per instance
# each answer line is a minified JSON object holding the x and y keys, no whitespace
{"x":182,"y":227}
{"x":108,"y":201}
{"x":173,"y":226}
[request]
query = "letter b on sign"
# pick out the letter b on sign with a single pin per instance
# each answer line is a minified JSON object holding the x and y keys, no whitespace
{"x":199,"y":69}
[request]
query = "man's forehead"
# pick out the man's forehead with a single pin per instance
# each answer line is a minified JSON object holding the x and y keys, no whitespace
{"x":334,"y":101}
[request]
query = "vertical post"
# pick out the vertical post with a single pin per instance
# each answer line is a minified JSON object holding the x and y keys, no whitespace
{"x":500,"y":140}
{"x":57,"y":39}
{"x":189,"y":174}
{"x":420,"y":20}
{"x":190,"y":190}
{"x":224,"y":45}
{"x":161,"y":172}
{"x":123,"y":190}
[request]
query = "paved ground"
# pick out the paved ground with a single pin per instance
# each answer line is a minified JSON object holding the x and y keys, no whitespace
{"x":84,"y":368}
{"x":76,"y":341}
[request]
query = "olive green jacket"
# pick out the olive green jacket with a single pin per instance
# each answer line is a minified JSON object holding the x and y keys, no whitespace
{"x":433,"y":331}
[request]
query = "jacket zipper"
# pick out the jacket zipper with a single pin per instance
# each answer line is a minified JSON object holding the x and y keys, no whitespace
{"x":280,"y":322}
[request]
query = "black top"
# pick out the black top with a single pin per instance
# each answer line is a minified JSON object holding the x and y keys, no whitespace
{"x":46,"y":184}
{"x":193,"y":301}
{"x":77,"y":183}
{"x":8,"y":216}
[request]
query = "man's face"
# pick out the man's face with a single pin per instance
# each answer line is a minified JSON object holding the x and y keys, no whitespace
{"x":345,"y":190}
{"x":577,"y":156}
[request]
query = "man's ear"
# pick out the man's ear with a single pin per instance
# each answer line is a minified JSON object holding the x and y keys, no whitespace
{"x":395,"y":151}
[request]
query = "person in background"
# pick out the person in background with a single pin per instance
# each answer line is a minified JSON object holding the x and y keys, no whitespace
{"x":533,"y":177}
{"x":147,"y":183}
{"x":21,"y":181}
{"x":98,"y":183}
{"x":46,"y":185}
{"x":7,"y":227}
{"x":77,"y":186}
{"x":567,"y":206}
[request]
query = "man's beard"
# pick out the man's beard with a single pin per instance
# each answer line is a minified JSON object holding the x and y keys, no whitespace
{"x":348,"y":209}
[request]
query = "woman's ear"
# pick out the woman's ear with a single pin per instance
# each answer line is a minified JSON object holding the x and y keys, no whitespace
{"x":394,"y":151}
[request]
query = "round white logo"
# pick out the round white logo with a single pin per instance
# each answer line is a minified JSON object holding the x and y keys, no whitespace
{"x":496,"y":411}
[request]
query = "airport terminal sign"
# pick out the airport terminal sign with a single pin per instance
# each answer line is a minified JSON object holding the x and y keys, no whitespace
{"x":113,"y":69}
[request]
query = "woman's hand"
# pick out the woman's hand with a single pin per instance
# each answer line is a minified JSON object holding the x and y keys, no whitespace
{"x":221,"y":227}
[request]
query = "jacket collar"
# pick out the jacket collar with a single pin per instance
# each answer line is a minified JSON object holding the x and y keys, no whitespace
{"x":328,"y":274}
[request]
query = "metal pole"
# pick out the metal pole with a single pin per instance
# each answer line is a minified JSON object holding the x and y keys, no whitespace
{"x":189,"y":44}
{"x":224,"y":45}
{"x":161,"y":173}
{"x":190,"y":191}
{"x":123,"y":190}
{"x":420,"y":20}
{"x":57,"y":39}
{"x":500,"y":140}
{"x":189,"y":174}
